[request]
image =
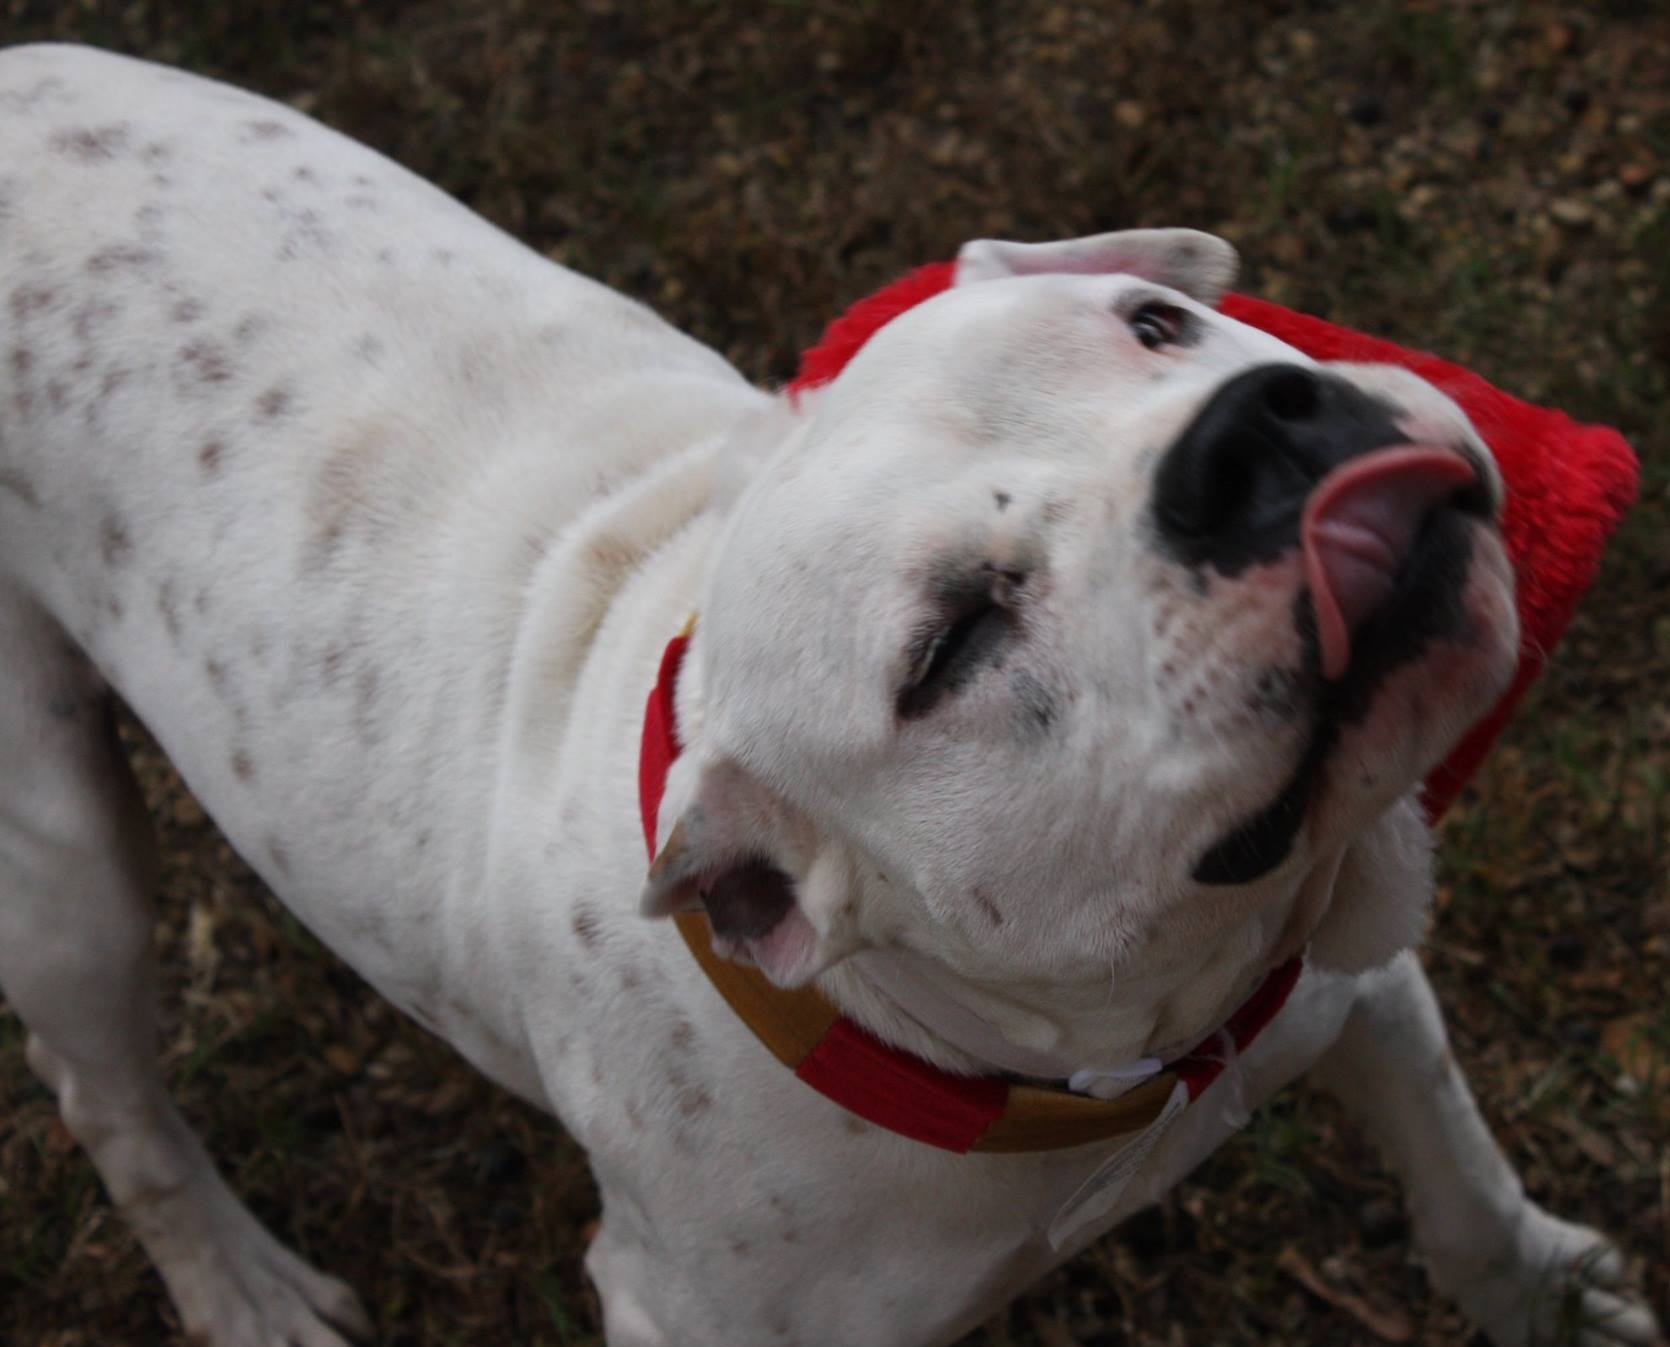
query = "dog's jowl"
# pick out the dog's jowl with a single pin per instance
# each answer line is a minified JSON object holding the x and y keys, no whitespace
{"x":1060,"y":676}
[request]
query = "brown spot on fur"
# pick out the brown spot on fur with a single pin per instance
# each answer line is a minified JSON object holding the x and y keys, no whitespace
{"x":307,"y":235}
{"x":242,"y":767}
{"x":186,"y":311}
{"x":113,"y":379}
{"x":987,"y":906}
{"x":272,"y":404}
{"x":280,"y":857}
{"x":114,"y":543}
{"x":365,"y":700}
{"x":23,"y":359}
{"x":302,"y":173}
{"x":209,"y":456}
{"x":215,"y":671}
{"x":693,"y":1099}
{"x":169,"y":608}
{"x":610,"y":556}
{"x":683,"y":1037}
{"x":585,"y":926}
{"x":95,"y":313}
{"x":265,"y":129}
{"x":352,"y":485}
{"x":14,"y":483}
{"x":91,"y":144}
{"x":31,"y":299}
{"x":24,"y":100}
{"x":118,"y":256}
{"x":330,"y":666}
{"x":205,"y":362}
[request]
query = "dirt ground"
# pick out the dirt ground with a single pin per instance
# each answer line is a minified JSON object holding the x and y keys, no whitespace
{"x":1487,"y":180}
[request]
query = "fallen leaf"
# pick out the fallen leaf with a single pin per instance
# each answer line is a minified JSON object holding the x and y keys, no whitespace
{"x":1387,"y":1325}
{"x":342,"y":1058}
{"x":1629,"y":1040}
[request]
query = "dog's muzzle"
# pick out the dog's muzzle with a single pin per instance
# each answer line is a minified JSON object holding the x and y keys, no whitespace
{"x":1286,"y":457}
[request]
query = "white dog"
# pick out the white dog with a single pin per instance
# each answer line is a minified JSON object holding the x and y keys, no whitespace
{"x":1059,"y":670}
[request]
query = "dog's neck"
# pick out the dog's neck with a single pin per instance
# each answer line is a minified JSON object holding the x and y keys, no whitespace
{"x":1045,"y":1029}
{"x":1181,"y":991}
{"x":964,"y":1024}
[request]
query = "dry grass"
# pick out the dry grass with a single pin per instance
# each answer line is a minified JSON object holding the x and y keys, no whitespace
{"x":1488,"y":180}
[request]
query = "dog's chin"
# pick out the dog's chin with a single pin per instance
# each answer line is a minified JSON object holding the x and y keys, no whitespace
{"x":1424,"y":666}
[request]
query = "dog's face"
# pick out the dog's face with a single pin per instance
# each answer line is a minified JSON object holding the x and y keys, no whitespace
{"x":1081,"y":621}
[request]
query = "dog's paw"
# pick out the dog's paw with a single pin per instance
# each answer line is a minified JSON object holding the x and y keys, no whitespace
{"x":242,"y":1288}
{"x":1557,"y":1285}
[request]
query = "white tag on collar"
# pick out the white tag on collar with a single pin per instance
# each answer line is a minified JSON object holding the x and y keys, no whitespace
{"x":1096,"y":1196}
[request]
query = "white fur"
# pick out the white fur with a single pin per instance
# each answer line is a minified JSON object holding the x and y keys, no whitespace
{"x":380,"y":523}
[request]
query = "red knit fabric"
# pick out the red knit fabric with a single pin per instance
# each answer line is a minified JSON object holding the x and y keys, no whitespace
{"x":659,"y":744}
{"x":842,"y":338}
{"x":1568,"y":484}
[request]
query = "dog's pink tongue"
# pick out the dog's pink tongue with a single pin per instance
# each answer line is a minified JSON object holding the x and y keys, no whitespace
{"x":1356,"y":530}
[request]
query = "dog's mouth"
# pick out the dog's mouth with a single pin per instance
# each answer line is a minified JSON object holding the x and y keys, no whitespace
{"x":1386,"y":543}
{"x":1358,"y":530}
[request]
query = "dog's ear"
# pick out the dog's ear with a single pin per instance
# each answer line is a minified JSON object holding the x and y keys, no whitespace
{"x":1201,"y":265}
{"x":776,"y":894}
{"x":1382,"y":896}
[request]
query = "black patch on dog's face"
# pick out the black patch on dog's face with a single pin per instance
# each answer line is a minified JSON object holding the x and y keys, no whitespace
{"x":1425,"y":608}
{"x":1230,"y":490}
{"x":1259,"y":845}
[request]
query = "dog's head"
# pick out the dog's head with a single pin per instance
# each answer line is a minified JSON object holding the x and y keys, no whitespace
{"x":1080,"y":624}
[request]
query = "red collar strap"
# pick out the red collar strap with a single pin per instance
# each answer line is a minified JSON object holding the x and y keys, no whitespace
{"x":889,"y":1087}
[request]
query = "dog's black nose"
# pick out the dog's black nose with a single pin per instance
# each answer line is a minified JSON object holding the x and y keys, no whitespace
{"x":1231,"y":489}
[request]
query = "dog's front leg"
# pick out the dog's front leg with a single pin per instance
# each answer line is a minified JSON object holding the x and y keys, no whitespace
{"x":1522,"y":1275}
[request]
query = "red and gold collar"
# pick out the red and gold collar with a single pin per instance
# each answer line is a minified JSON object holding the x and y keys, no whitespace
{"x":892,"y":1088}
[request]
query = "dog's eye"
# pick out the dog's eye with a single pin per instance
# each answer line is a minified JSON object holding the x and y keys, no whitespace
{"x":1158,"y":324}
{"x":974,"y":628}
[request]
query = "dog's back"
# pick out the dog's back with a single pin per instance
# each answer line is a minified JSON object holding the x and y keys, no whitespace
{"x":284,"y":433}
{"x":245,"y":356}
